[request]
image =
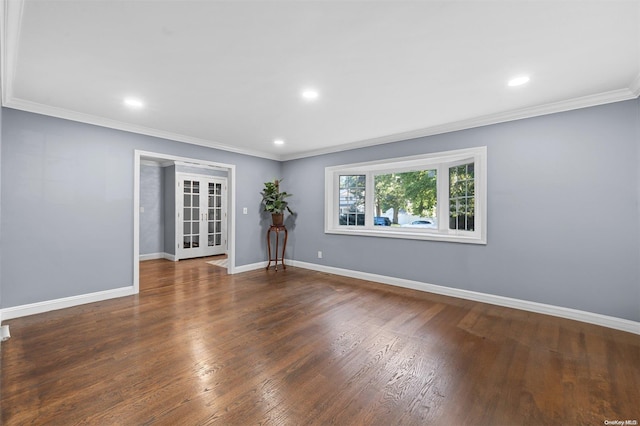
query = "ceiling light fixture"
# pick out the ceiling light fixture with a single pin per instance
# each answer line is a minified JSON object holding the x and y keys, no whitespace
{"x":278,"y":142}
{"x":518,"y":81}
{"x":310,"y":94}
{"x":133,"y":103}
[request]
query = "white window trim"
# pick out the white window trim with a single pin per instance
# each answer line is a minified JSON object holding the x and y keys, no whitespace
{"x":440,"y":161}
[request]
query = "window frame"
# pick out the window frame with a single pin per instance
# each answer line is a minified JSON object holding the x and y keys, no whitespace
{"x":441,"y":162}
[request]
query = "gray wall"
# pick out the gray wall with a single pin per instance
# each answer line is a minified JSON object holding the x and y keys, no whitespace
{"x":152,"y":201}
{"x":563,"y":215}
{"x":563,"y":225}
{"x":67,"y":205}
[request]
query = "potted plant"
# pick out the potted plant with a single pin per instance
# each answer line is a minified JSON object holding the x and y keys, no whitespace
{"x":275,"y":201}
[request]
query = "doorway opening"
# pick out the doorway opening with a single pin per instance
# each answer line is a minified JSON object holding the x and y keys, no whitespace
{"x":210,"y":203}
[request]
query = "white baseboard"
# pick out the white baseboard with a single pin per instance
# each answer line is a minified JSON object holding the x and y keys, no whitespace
{"x":259,"y":265}
{"x":152,"y":256}
{"x":250,"y":267}
{"x":66,"y":302}
{"x":541,"y":308}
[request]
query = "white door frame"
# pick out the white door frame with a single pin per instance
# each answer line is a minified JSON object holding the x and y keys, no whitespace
{"x":231,"y":207}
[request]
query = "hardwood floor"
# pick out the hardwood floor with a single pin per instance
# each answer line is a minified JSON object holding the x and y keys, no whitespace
{"x":295,"y":347}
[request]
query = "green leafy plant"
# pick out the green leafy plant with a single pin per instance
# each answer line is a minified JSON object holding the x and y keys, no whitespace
{"x":273,"y":200}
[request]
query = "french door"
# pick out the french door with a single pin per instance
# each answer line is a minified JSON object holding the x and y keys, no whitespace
{"x":201,"y":227}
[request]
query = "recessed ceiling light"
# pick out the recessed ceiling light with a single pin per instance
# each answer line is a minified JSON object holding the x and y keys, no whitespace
{"x":278,"y":142}
{"x":133,"y":103}
{"x":310,"y":94}
{"x":518,"y":81}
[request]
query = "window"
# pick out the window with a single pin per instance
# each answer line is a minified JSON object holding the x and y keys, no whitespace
{"x":352,"y":195}
{"x":440,"y":196}
{"x":462,"y":197}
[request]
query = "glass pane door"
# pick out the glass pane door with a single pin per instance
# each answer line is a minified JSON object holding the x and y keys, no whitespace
{"x":201,"y":223}
{"x":191,"y":215}
{"x":214,"y":214}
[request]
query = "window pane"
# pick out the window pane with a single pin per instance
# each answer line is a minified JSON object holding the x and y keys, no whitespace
{"x":462,"y":197}
{"x":408,"y":199}
{"x":352,"y":200}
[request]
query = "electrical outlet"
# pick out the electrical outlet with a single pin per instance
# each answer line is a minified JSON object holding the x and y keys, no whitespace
{"x":244,"y":210}
{"x":319,"y":255}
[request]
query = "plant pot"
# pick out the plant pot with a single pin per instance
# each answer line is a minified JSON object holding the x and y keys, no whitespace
{"x":277,"y":219}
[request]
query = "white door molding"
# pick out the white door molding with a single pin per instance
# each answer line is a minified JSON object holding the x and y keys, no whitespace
{"x":231,"y":205}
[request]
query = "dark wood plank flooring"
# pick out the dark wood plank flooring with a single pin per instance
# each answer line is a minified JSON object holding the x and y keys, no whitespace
{"x":298,"y":347}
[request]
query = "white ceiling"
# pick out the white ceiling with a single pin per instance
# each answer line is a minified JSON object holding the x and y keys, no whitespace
{"x":229,"y":73}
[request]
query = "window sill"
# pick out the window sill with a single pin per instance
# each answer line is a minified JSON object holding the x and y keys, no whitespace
{"x":409,"y":235}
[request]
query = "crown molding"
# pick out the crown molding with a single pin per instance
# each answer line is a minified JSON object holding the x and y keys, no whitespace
{"x":128,"y":127}
{"x":486,"y":120}
{"x":11,"y":12}
{"x":572,"y":104}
